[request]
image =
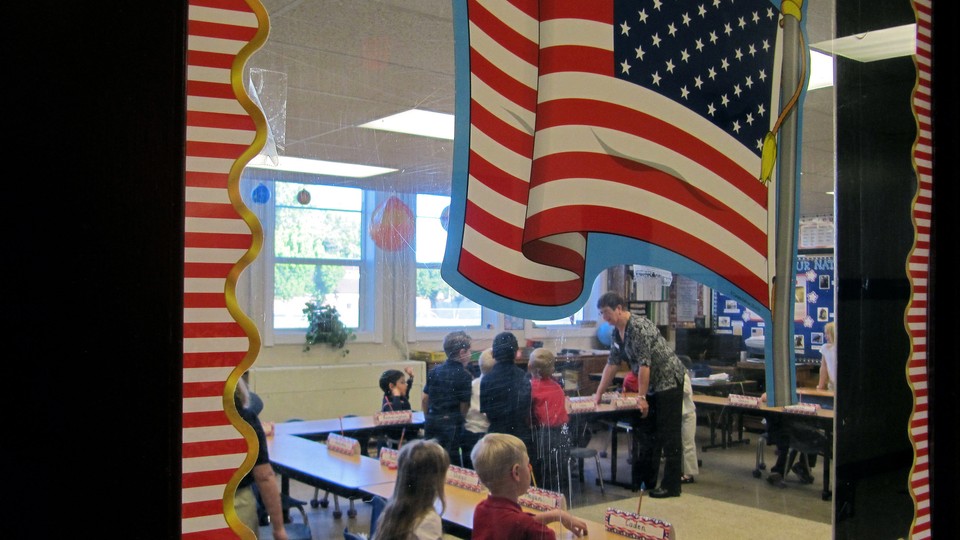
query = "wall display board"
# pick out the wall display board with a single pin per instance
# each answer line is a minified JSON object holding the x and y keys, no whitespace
{"x":813,"y":308}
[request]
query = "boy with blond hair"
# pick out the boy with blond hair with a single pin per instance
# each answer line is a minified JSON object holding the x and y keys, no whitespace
{"x":503,"y":466}
{"x":551,"y":436}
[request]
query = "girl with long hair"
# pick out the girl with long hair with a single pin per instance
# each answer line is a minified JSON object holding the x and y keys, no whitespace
{"x":410,"y":513}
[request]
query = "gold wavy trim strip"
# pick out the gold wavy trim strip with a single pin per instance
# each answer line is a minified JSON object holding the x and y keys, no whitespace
{"x":230,"y":289}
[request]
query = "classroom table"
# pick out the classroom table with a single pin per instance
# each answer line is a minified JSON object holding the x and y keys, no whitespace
{"x":612,"y":415}
{"x":361,"y":428}
{"x":312,"y":463}
{"x":823,"y":419}
{"x":703,"y":385}
{"x":824,"y":398}
{"x":723,"y":387}
{"x":720,"y":415}
{"x":461,"y":503}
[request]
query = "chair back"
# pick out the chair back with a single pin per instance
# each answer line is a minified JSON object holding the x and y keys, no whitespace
{"x":378,"y":503}
{"x":571,"y":382}
{"x":347,"y":535}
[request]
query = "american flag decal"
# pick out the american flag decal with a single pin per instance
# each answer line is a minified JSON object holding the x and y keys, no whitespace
{"x":612,"y":131}
{"x":220,"y":239}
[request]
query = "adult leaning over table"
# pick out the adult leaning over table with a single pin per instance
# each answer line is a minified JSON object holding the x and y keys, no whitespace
{"x":637,"y":341}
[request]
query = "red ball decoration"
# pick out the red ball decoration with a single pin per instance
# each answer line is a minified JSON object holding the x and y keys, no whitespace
{"x":303,"y":197}
{"x":391,"y":226}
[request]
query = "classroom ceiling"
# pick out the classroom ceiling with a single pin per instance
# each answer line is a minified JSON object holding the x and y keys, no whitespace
{"x":348,"y":62}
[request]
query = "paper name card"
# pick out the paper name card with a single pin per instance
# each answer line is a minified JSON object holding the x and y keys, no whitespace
{"x":627,"y":403}
{"x":388,"y":457}
{"x":802,"y":408}
{"x":745,"y":401}
{"x":543,"y":500}
{"x":609,"y":397}
{"x":392,"y":417}
{"x":463,"y":478}
{"x":343,"y":445}
{"x":580,"y":404}
{"x":636,"y":526}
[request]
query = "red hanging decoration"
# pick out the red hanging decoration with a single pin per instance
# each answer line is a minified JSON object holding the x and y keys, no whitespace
{"x":303,"y":197}
{"x":391,"y":226}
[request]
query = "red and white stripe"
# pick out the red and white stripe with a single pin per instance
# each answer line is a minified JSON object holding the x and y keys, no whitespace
{"x":218,"y":131}
{"x":504,"y":49}
{"x":918,"y":271}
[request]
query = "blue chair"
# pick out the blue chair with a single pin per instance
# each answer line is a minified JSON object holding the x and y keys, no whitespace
{"x":295,"y":530}
{"x":378,"y":504}
{"x":347,"y":535}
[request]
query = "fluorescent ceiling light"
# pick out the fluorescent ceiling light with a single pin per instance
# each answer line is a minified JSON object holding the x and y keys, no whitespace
{"x":875,"y":45}
{"x":316,"y":166}
{"x":416,"y":122}
{"x":821,"y":71}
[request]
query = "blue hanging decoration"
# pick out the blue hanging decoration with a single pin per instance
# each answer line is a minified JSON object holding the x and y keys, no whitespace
{"x":261,"y":194}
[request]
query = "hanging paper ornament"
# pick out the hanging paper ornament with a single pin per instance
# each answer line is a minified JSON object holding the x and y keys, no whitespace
{"x":445,"y":217}
{"x":260,"y":194}
{"x":303,"y":197}
{"x":391,"y":226}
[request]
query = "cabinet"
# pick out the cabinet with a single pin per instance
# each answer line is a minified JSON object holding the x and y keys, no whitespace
{"x":575,"y":370}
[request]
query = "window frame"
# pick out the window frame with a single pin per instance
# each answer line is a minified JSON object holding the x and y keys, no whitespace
{"x":260,"y":303}
{"x":588,"y":325}
{"x":491,"y":321}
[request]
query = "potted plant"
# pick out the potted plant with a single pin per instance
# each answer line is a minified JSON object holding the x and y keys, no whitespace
{"x":326,"y":327}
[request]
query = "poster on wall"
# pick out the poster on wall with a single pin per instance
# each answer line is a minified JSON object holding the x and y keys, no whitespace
{"x":687,"y":302}
{"x":813,"y":308}
{"x":799,"y":299}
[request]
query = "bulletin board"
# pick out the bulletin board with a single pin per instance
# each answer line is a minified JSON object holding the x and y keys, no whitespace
{"x":814,"y":300}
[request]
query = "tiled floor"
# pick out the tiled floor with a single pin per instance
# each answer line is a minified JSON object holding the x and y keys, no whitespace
{"x":726,"y":475}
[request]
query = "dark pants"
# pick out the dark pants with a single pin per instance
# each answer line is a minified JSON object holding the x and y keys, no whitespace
{"x":448,"y":430}
{"x":551,"y":450}
{"x":659,"y":435}
{"x":667,"y":439}
{"x":644,"y":471}
{"x":467,"y":442}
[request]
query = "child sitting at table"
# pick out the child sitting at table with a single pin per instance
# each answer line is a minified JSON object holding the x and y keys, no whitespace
{"x":396,"y":386}
{"x":421,"y":474}
{"x":503,"y":466}
{"x":551,"y":435}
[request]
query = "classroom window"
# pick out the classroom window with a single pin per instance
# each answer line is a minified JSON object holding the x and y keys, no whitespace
{"x":437,"y":304}
{"x":317,"y":252}
{"x":313,"y":251}
{"x":582,"y":322}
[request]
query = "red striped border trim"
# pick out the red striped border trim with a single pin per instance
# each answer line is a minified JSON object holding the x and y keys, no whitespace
{"x":915,"y":318}
{"x":219,"y":342}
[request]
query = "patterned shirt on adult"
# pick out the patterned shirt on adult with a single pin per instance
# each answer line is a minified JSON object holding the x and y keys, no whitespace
{"x":643,"y":345}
